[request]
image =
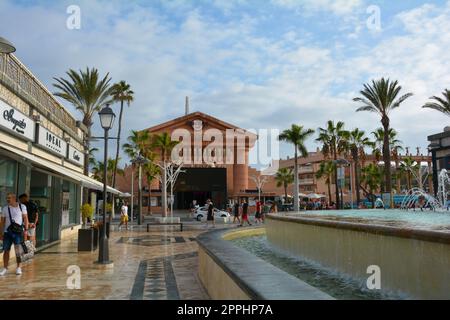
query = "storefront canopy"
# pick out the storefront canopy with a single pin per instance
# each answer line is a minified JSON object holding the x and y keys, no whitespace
{"x":85,"y":181}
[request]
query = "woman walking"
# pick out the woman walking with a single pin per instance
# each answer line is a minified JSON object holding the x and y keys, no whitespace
{"x":210,"y":216}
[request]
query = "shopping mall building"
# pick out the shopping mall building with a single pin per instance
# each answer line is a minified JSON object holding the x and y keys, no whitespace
{"x":225,"y":182}
{"x":41,"y":151}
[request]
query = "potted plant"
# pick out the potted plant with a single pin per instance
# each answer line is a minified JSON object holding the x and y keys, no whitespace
{"x":87,"y":212}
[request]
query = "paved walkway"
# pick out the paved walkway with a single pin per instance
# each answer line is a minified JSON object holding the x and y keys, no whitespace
{"x":161,"y":264}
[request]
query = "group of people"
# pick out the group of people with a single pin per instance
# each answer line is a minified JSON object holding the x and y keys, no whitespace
{"x":241,"y":212}
{"x":18,"y":222}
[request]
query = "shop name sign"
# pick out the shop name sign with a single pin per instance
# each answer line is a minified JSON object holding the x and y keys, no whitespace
{"x":52,"y":142}
{"x":16,"y":122}
{"x":75,"y":156}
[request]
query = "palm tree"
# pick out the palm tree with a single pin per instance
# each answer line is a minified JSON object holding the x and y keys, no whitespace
{"x":297,"y":136}
{"x":333,"y":144}
{"x":92,"y":160}
{"x":407,"y":167}
{"x":381,"y":97}
{"x":97,"y":170}
{"x":356,"y":143}
{"x":122,"y":93}
{"x":164,"y":145}
{"x":326,"y":170}
{"x":441,"y":104}
{"x":284,"y":177}
{"x":394,"y":144}
{"x":371,"y":177}
{"x":88,"y":94}
{"x":151,"y":172}
{"x":138,"y":143}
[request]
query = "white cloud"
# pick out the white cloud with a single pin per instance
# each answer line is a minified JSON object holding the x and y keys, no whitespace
{"x":338,"y":7}
{"x":234,"y":71}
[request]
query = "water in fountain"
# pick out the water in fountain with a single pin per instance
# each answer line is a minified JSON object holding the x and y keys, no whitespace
{"x":442,"y":187}
{"x":379,"y":203}
{"x":428,"y":201}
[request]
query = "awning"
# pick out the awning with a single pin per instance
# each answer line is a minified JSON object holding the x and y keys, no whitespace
{"x":84,"y":180}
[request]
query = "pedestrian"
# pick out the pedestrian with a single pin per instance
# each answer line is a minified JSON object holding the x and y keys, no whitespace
{"x":236,"y":212}
{"x":210,"y":216}
{"x":33,"y":217}
{"x":258,"y":212}
{"x":13,"y":220}
{"x":124,"y":215}
{"x":274,"y":208}
{"x":245,"y":213}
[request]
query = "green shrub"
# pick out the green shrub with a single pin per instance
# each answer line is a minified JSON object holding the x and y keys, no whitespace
{"x":87,"y":211}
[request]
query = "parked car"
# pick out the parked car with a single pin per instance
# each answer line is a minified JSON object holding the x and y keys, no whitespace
{"x":202,"y":212}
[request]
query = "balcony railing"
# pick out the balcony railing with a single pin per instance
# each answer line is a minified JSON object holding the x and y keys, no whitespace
{"x":306,"y":182}
{"x":306,"y":170}
{"x":22,"y":82}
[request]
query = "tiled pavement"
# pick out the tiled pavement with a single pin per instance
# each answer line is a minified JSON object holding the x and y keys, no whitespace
{"x":161,"y":264}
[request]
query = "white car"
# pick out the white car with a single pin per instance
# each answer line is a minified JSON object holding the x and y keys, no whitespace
{"x":202,"y":212}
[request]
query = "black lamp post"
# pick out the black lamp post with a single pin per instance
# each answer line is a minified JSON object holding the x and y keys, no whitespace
{"x":340,"y":163}
{"x":107,"y":117}
{"x":6,"y":46}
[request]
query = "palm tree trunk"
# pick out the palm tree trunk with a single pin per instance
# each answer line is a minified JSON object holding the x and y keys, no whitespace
{"x":285,"y":192}
{"x":357,"y":186}
{"x":296,"y":194}
{"x":87,"y":144}
{"x":119,"y":132}
{"x":338,"y":206}
{"x":387,"y":156}
{"x":329,"y":188}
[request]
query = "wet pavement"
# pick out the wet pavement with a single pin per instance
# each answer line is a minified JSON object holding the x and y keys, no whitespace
{"x":156,"y":265}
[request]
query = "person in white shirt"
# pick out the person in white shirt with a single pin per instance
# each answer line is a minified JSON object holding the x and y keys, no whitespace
{"x":124,"y":215}
{"x":14,"y":221}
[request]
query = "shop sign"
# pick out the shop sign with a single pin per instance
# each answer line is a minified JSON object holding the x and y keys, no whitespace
{"x":16,"y":122}
{"x":52,"y":142}
{"x":76,"y":156}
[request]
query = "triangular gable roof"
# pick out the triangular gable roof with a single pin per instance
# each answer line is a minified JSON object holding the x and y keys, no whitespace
{"x":194,"y":116}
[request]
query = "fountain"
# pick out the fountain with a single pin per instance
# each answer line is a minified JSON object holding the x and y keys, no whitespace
{"x":415,"y":195}
{"x":379,"y":203}
{"x":442,"y":193}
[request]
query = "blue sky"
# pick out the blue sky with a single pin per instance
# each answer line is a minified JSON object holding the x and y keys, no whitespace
{"x":257,"y":64}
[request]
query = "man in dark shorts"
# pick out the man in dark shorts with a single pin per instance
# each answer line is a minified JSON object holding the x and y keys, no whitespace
{"x":236,"y":212}
{"x":33,"y":217}
{"x":245,"y":213}
{"x":210,"y":216}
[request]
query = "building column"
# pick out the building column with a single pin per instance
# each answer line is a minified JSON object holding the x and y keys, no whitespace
{"x":240,"y":173}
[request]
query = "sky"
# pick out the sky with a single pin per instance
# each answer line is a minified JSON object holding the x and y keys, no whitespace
{"x":261,"y":64}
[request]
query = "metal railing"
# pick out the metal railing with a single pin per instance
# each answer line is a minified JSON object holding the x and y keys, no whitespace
{"x":24,"y":84}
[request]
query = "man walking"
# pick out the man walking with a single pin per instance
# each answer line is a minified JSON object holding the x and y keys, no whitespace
{"x":33,"y":217}
{"x":210,"y":216}
{"x":124,"y":215}
{"x":236,"y":212}
{"x":14,"y":218}
{"x":245,"y":213}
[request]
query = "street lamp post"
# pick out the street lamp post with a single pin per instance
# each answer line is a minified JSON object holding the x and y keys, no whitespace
{"x":106,"y":120}
{"x":6,"y":46}
{"x":340,"y":163}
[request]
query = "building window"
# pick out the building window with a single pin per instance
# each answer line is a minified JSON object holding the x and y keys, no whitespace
{"x":8,"y":177}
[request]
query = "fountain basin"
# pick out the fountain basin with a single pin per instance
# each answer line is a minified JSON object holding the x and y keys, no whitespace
{"x":230,"y":273}
{"x":413,"y":262}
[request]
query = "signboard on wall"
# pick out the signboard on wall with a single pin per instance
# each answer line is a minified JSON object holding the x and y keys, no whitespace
{"x":74,"y":155}
{"x":51,"y":142}
{"x":16,"y":122}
